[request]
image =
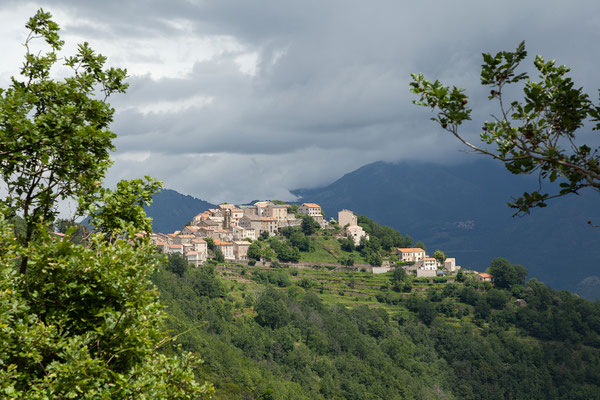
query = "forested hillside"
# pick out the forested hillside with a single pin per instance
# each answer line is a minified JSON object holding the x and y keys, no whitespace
{"x":277,"y":333}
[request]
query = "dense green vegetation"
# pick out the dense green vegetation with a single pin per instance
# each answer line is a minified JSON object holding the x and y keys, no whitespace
{"x":277,"y":333}
{"x":79,"y":316}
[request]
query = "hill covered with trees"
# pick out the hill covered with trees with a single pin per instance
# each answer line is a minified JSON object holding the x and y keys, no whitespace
{"x":281,"y":333}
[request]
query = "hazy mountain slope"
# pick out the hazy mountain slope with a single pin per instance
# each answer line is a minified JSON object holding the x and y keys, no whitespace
{"x":462,"y":210}
{"x":170,"y":210}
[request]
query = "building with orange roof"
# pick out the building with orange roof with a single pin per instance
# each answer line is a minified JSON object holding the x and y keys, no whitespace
{"x":175,"y":248}
{"x":410,"y":254}
{"x":311,"y":209}
{"x":226,"y":248}
{"x":484,"y":277}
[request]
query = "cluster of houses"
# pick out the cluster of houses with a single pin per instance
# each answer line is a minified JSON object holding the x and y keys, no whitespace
{"x":424,"y":266}
{"x":232,"y":228}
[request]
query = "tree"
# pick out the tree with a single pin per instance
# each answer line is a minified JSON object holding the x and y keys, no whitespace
{"x":309,"y":225}
{"x":420,"y":245}
{"x":536,"y":134}
{"x":347,"y":244}
{"x":219,"y":256}
{"x":440,"y":256}
{"x":177,"y":264}
{"x":506,"y":274}
{"x":399,"y":279}
{"x":54,"y":135}
{"x":77,"y":321}
{"x":254,"y":251}
{"x":301,"y":241}
{"x":210,"y":243}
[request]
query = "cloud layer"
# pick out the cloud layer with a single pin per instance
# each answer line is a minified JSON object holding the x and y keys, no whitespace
{"x":234,"y":101}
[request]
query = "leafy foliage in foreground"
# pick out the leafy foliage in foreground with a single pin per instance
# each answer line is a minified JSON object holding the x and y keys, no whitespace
{"x":76,"y":320}
{"x":84,"y":323}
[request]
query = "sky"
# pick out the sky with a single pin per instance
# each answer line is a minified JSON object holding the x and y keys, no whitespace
{"x":241,"y":100}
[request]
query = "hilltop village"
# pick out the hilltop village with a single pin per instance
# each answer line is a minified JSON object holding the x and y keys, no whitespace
{"x":231,"y":230}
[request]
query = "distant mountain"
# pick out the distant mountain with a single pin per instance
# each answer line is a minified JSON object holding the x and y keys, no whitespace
{"x":462,"y":210}
{"x":170,"y":210}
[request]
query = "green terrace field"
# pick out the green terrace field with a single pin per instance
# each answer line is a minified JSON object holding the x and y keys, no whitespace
{"x":328,"y":250}
{"x":349,"y":288}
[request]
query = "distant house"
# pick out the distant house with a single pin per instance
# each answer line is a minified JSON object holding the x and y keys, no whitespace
{"x":183,"y":239}
{"x":175,"y":248}
{"x":427,"y":263}
{"x":195,"y":258}
{"x":240,"y":250}
{"x":450,"y":265}
{"x":240,"y":233}
{"x":277,"y":211}
{"x":356,"y":233}
{"x":411,"y":254}
{"x":226,"y":248}
{"x":484,"y":277}
{"x":260,"y":224}
{"x":311,"y":209}
{"x":190,"y":230}
{"x":347,"y":217}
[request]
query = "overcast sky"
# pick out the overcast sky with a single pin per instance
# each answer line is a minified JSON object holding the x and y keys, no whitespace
{"x":241,"y":100}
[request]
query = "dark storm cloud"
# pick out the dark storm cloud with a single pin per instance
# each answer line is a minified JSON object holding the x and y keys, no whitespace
{"x":233,"y":98}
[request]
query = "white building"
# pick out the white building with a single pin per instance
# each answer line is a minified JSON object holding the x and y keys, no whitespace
{"x":356,"y":233}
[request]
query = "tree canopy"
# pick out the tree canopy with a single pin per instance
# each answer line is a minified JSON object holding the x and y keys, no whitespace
{"x":535,"y":134}
{"x":77,"y":321}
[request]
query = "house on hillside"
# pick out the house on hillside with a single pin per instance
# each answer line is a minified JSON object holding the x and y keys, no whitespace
{"x":311,"y":209}
{"x":411,"y":254}
{"x":240,"y":233}
{"x":175,"y":248}
{"x":426,"y":267}
{"x":226,"y":248}
{"x":240,"y":250}
{"x":190,"y":230}
{"x":356,"y":232}
{"x":277,"y":211}
{"x":195,"y":258}
{"x":347,"y":217}
{"x":484,"y":277}
{"x":428,"y":263}
{"x":450,"y":265}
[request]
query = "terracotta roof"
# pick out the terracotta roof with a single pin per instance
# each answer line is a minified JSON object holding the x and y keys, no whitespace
{"x":410,"y":249}
{"x":429,"y":259}
{"x":311,"y":205}
{"x":219,"y":243}
{"x":176,"y":246}
{"x":161,"y":243}
{"x":268,"y":219}
{"x":485,"y":275}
